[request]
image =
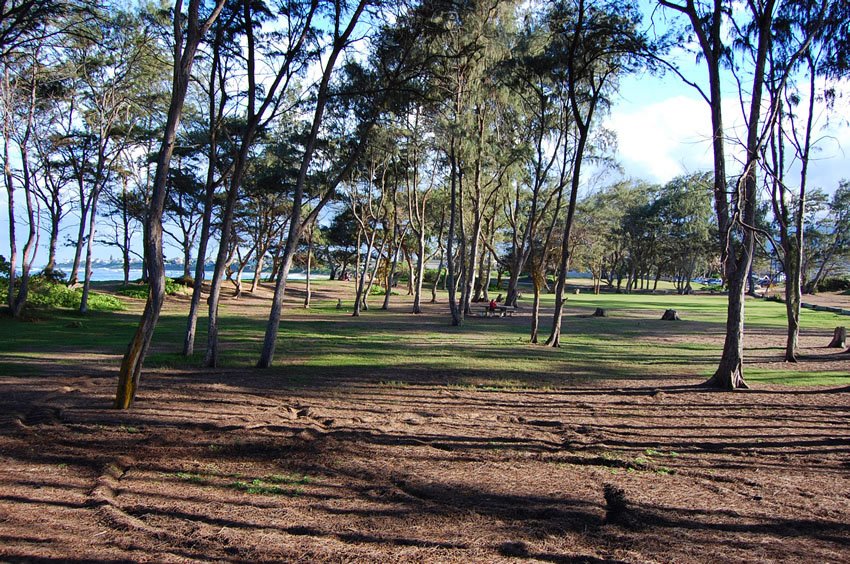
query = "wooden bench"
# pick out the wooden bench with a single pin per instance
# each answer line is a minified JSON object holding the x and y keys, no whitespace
{"x":500,"y":311}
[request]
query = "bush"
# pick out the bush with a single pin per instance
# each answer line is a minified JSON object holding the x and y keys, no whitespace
{"x":431,"y":275}
{"x":45,"y":293}
{"x":54,"y":275}
{"x":140,"y":291}
{"x":834,"y":284}
{"x":380,"y":291}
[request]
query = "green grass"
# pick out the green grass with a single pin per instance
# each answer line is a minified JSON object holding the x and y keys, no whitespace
{"x":259,"y":486}
{"x":797,"y":378}
{"x":397,"y":350}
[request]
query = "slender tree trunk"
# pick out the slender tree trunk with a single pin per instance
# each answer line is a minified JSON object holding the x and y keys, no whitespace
{"x":184,"y":55}
{"x":258,"y":271}
{"x":361,"y":275}
{"x":73,"y":277}
{"x":554,"y":339}
{"x":52,"y":245}
{"x":211,"y":354}
{"x":535,"y":312}
{"x":308,"y":290}
{"x":391,"y":278}
{"x":451,"y":277}
{"x":295,"y":226}
{"x":374,"y":274}
{"x":84,"y":305}
{"x":420,"y":275}
{"x":200,"y":273}
{"x":439,"y":276}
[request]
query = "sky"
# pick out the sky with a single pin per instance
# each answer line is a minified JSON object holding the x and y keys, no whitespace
{"x":663,"y":130}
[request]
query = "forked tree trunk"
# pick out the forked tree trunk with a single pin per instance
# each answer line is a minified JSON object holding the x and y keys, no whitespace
{"x":730,"y":372}
{"x":793,"y":298}
{"x":258,"y":271}
{"x":417,"y":289}
{"x":78,"y":247}
{"x":184,"y":56}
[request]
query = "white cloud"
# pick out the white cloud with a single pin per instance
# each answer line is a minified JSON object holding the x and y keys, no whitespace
{"x":664,"y":139}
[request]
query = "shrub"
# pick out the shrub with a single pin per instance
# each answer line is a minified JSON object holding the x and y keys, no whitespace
{"x":834,"y":284}
{"x":140,"y":291}
{"x":45,"y":293}
{"x":54,"y":275}
{"x":431,"y":275}
{"x":380,"y":291}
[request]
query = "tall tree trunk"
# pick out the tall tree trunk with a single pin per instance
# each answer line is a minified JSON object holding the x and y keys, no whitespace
{"x":535,"y":309}
{"x":453,"y":205}
{"x":295,"y":226}
{"x":420,"y":274}
{"x":307,"y":289}
{"x":84,"y":300}
{"x":554,"y":339}
{"x":221,"y":261}
{"x":73,"y":277}
{"x":438,"y":277}
{"x":730,"y":372}
{"x":391,"y":276}
{"x":184,"y":56}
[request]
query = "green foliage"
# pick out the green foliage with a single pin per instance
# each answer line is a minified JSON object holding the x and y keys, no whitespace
{"x":380,"y":291}
{"x":834,"y":284}
{"x":44,"y":293}
{"x":173,"y":287}
{"x":430,"y":275}
{"x":5,"y":267}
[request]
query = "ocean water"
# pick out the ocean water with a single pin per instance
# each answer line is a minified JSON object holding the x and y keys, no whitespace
{"x":106,"y":274}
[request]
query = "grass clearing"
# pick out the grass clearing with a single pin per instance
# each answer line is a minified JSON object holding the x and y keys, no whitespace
{"x":400,"y":349}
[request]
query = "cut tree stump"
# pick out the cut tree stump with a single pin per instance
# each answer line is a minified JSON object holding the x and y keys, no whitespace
{"x":600,"y":312}
{"x":670,"y":315}
{"x":839,"y":338}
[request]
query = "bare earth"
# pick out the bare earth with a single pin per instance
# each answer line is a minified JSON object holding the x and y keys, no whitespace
{"x":237,"y":465}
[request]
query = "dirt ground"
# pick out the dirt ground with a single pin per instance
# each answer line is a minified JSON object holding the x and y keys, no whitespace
{"x":232,"y":465}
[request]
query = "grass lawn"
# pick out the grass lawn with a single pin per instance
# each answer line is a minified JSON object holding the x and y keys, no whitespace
{"x":394,"y":346}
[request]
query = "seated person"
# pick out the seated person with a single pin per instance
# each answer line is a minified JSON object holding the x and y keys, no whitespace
{"x":493,"y":305}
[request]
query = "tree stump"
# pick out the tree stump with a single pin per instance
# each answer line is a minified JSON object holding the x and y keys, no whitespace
{"x":600,"y":312}
{"x":839,"y":338}
{"x":670,"y":315}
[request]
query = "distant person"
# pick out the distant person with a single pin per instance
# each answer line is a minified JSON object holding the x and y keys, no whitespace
{"x":499,"y":298}
{"x":493,"y":305}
